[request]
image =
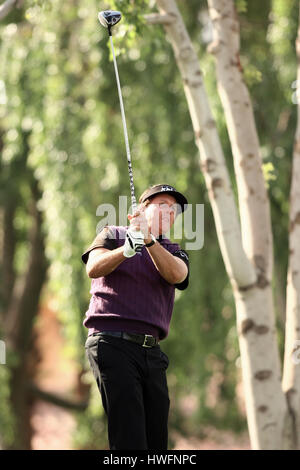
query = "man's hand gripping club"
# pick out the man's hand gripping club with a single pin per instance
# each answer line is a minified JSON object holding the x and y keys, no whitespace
{"x":134,"y":242}
{"x":136,"y":234}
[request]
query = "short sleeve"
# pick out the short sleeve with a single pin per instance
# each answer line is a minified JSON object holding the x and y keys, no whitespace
{"x":104,"y":239}
{"x":182,"y":254}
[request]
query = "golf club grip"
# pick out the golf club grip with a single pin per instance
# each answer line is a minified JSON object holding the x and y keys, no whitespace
{"x":133,"y":200}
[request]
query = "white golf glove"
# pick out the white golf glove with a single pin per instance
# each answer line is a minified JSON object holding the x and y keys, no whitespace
{"x":134,"y":242}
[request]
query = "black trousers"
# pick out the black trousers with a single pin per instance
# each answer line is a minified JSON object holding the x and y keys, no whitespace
{"x":133,"y":386}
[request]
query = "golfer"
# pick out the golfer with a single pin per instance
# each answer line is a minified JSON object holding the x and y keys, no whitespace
{"x":129,"y":314}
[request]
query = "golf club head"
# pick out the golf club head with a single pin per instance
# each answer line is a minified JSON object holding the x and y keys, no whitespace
{"x":109,"y":18}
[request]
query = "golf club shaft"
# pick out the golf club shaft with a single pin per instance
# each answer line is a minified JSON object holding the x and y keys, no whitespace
{"x":133,"y":200}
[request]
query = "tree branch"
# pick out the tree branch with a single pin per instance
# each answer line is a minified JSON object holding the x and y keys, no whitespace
{"x":25,"y":298}
{"x":156,"y":18}
{"x":56,"y":399}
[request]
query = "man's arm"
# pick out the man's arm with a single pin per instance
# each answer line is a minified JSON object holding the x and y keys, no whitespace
{"x":102,"y":261}
{"x":170,"y":267}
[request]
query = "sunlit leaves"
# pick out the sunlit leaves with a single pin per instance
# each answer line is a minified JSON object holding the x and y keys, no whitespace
{"x":268,"y":172}
{"x":251,"y":75}
{"x":241,"y":6}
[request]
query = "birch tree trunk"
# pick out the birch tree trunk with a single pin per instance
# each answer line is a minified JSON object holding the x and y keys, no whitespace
{"x":252,"y":193}
{"x":291,"y":374}
{"x":247,"y":257}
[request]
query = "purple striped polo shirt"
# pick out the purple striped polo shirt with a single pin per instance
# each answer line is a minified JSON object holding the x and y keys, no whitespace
{"x":134,"y":297}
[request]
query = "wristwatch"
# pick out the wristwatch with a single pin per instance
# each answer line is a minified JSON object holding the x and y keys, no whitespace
{"x":152,"y":242}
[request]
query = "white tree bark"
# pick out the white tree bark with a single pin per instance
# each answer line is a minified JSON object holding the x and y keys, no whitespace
{"x":253,"y":200}
{"x":254,"y":210}
{"x":8,"y":6}
{"x":267,"y":412}
{"x":291,"y":374}
{"x":212,"y":160}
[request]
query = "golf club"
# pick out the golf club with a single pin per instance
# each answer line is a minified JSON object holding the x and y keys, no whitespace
{"x":108,"y":19}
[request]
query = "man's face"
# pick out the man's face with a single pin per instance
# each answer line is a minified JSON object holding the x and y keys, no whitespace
{"x":161,"y":213}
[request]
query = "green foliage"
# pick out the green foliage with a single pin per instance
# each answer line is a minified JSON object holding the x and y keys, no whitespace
{"x":132,"y":13}
{"x":7,"y":427}
{"x":241,"y":6}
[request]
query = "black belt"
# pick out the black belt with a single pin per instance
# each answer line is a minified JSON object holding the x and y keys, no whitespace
{"x":147,"y":341}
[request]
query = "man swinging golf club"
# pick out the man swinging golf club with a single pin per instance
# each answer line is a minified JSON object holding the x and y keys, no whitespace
{"x":129,"y":313}
{"x":134,"y":271}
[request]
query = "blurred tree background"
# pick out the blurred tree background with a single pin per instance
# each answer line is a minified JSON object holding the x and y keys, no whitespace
{"x":63,"y":154}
